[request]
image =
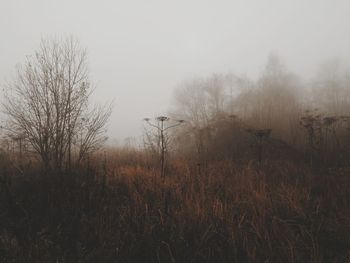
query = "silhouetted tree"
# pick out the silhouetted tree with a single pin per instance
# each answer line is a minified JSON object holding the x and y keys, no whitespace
{"x":48,"y":103}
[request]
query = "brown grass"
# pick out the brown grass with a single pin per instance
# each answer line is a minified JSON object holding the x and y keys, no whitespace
{"x":279,"y":212}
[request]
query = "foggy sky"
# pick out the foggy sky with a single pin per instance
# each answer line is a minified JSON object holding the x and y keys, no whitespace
{"x":140,"y":50}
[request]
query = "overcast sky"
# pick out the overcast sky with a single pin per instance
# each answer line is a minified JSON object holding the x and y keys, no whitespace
{"x":140,"y":50}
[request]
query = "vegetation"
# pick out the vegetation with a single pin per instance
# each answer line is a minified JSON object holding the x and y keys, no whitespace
{"x":48,"y":105}
{"x":124,"y":213}
{"x":241,"y":171}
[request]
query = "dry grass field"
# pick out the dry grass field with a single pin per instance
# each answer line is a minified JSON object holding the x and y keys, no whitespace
{"x":110,"y":211}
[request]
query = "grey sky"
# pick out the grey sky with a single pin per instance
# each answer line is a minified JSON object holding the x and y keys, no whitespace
{"x":140,"y":50}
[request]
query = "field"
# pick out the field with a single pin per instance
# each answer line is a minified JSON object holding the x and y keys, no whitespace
{"x":123,"y":211}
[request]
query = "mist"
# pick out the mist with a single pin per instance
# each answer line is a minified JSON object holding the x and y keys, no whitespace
{"x":175,"y":131}
{"x":139,"y":52}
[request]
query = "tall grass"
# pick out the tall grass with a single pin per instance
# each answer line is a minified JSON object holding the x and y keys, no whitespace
{"x":276,"y":212}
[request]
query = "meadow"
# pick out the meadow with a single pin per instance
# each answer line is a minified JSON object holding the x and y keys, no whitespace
{"x":116,"y":209}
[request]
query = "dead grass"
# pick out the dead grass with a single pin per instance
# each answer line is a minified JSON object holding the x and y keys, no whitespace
{"x":280,"y":212}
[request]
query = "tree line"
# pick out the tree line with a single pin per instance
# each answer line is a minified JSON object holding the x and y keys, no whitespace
{"x":277,"y":115}
{"x":224,"y":116}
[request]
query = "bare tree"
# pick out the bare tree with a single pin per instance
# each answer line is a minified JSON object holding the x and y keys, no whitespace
{"x":48,"y":102}
{"x":201,"y":100}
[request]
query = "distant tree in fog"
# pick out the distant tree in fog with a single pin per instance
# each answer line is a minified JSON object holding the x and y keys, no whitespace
{"x":200,"y":100}
{"x":48,"y":102}
{"x":331,"y":88}
{"x":273,"y":101}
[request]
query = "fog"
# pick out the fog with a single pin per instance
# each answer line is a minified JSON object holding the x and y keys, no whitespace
{"x":139,"y":51}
